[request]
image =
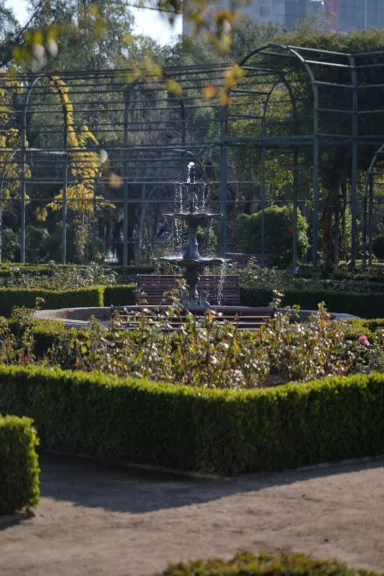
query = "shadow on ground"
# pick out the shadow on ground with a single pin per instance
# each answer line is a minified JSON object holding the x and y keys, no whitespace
{"x":14,"y":519}
{"x":116,"y":488}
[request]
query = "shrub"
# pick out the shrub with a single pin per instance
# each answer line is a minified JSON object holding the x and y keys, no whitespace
{"x":19,"y":471}
{"x":119,"y":295}
{"x":59,"y":278}
{"x":248,"y":564}
{"x":278,"y":234}
{"x":13,"y":297}
{"x":193,"y":428}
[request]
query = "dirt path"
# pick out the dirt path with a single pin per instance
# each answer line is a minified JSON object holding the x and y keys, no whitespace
{"x":100,"y":520}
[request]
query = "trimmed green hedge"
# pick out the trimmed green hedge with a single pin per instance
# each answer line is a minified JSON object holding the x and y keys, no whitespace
{"x":220,"y":431}
{"x":93,"y":296}
{"x":363,"y":305}
{"x":120,"y":295}
{"x":19,"y":470}
{"x":264,"y":564}
{"x":12,"y":297}
{"x":7,"y":270}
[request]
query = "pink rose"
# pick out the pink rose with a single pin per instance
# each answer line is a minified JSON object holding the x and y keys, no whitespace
{"x":364,"y":340}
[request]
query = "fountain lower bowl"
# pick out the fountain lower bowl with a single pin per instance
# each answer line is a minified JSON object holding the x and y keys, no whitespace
{"x":192,"y":263}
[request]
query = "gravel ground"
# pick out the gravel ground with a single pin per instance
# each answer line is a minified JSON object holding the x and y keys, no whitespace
{"x":96,"y":519}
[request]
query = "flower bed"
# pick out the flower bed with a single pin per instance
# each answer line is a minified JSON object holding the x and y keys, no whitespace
{"x":189,"y":428}
{"x":19,"y":472}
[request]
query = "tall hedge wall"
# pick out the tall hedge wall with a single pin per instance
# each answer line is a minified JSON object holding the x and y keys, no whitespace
{"x":19,"y":470}
{"x":197,"y":429}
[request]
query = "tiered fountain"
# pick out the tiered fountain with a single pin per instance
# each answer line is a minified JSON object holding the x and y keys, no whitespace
{"x":190,"y":259}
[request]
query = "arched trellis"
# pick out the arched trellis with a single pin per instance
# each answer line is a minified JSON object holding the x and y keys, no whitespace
{"x":308,"y":59}
{"x":24,"y":149}
{"x":279,"y":61}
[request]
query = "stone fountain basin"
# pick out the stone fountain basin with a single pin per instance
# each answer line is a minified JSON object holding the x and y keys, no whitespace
{"x":191,"y":262}
{"x":79,"y":317}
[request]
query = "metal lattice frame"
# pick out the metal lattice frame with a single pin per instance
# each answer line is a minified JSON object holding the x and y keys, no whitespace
{"x":150,"y":134}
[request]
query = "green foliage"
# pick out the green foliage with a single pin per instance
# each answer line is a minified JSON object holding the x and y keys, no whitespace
{"x":12,"y":297}
{"x":58,"y":278}
{"x":16,"y":270}
{"x":35,"y":239}
{"x":378,"y":246}
{"x":278,"y":234}
{"x":192,"y":428}
{"x":120,"y":295}
{"x":10,"y":247}
{"x":249,"y":564}
{"x":363,"y":305}
{"x":19,"y":470}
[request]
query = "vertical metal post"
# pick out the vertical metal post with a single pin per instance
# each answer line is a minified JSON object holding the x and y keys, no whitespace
{"x":125,"y":176}
{"x":294,"y":213}
{"x":354,"y":160}
{"x":23,"y":176}
{"x":263,"y":204}
{"x":370,"y":220}
{"x":315,"y":199}
{"x":365,"y":206}
{"x":223,"y":181}
{"x":65,"y":206}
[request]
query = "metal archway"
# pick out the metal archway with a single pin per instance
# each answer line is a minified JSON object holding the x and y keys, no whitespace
{"x":308,"y":59}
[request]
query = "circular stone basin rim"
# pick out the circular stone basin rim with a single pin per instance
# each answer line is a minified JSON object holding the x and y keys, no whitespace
{"x":80,"y":317}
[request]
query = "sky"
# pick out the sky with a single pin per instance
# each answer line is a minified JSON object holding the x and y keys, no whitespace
{"x":147,"y":22}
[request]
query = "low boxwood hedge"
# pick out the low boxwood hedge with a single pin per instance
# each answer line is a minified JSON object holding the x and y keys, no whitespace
{"x":363,"y":305}
{"x":13,"y":297}
{"x":8,"y":270}
{"x":119,"y":295}
{"x":264,"y":564}
{"x":220,"y":431}
{"x":19,"y":470}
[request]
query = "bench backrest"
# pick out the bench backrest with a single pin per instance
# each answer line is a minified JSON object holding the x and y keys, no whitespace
{"x":151,"y":288}
{"x":241,"y":260}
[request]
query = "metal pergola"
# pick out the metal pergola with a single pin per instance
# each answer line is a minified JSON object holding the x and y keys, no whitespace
{"x":151,"y":130}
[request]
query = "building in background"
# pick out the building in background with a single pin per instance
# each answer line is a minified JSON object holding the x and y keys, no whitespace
{"x":332,"y":15}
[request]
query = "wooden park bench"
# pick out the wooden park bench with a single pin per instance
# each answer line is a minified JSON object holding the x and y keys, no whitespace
{"x":150,"y":288}
{"x":240,"y":260}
